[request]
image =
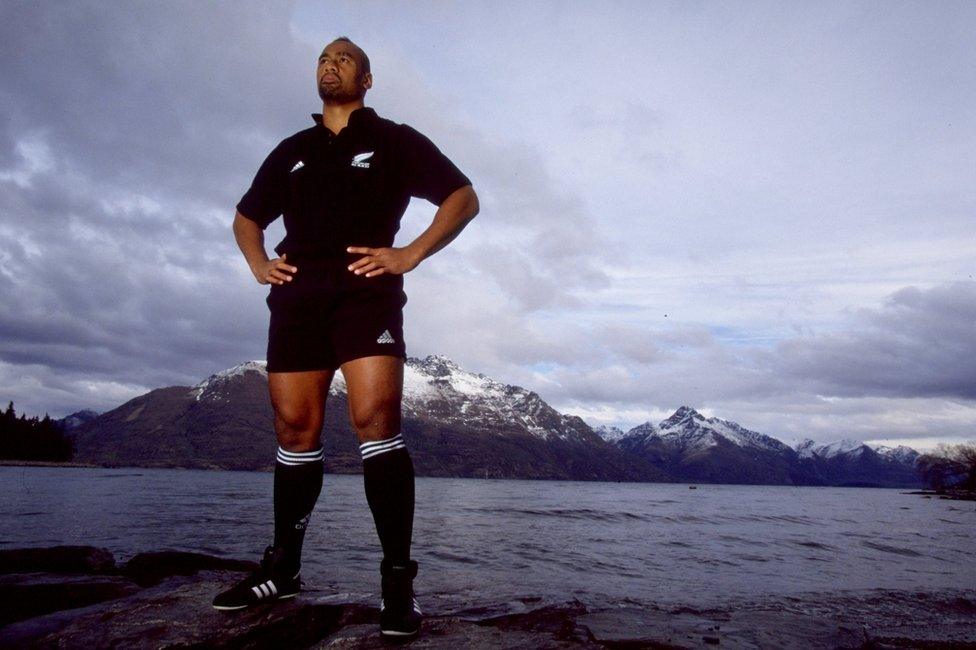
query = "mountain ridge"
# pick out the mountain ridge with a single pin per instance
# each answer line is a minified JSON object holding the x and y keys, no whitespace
{"x":462,"y":423}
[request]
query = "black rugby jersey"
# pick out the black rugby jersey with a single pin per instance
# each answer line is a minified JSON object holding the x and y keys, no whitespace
{"x":349,"y":189}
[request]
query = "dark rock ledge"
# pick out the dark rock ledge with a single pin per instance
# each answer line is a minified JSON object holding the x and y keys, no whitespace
{"x":76,"y":597}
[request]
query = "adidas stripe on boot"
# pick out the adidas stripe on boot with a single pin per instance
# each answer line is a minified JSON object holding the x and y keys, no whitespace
{"x":270,"y":582}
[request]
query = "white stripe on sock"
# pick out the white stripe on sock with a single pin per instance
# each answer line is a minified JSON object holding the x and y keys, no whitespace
{"x":257,"y":592}
{"x":370,"y":446}
{"x":392,"y":443}
{"x":301,"y":454}
{"x":379,"y":442}
{"x":289,"y":459}
{"x":299,"y":458}
{"x":378,"y":451}
{"x":382,"y":451}
{"x":274,"y":590}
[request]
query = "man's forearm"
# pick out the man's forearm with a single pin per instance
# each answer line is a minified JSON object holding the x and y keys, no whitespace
{"x":452,"y":216}
{"x":250,"y":239}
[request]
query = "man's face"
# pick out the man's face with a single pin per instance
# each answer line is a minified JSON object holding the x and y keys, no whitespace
{"x":340,"y":78}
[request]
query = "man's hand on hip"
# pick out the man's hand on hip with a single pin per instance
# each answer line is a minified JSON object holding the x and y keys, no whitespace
{"x":378,"y":261}
{"x":274,"y":271}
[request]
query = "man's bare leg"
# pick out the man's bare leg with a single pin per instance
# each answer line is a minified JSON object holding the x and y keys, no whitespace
{"x":298,"y":399}
{"x":375,"y":387}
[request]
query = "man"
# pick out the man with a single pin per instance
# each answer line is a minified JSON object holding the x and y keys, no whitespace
{"x":335,"y":301}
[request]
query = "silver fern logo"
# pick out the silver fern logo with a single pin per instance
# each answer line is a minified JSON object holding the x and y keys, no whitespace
{"x":362,"y":159}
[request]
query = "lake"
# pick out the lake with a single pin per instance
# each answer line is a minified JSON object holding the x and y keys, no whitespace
{"x":482,"y":543}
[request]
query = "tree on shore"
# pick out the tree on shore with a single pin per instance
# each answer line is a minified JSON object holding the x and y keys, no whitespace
{"x":26,"y":438}
{"x":949,"y":467}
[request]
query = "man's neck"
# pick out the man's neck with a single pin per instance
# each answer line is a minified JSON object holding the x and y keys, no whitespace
{"x":335,"y":117}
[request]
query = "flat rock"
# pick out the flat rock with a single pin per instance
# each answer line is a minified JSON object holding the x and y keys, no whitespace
{"x":451,"y":633}
{"x":57,"y":559}
{"x":148,"y":569}
{"x":26,"y":595}
{"x":178,"y":611}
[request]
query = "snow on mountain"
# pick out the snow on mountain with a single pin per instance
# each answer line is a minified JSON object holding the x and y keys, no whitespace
{"x":807,"y":448}
{"x":437,"y":387}
{"x":689,"y":430}
{"x":901,"y":453}
{"x":75,"y":420}
{"x":211,"y":387}
{"x":804,"y":448}
{"x":609,"y":433}
{"x":846,"y":446}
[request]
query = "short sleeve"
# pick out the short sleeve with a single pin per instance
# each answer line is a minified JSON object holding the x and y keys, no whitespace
{"x":428,"y":173}
{"x":265,"y":200}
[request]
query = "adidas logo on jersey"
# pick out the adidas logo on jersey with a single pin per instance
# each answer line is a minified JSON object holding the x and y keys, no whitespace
{"x":362,"y":159}
{"x":385,"y":337}
{"x":297,"y":166}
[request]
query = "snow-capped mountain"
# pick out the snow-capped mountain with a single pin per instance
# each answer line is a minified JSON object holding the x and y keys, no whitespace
{"x":848,"y":447}
{"x":690,"y":446}
{"x":690,"y":430}
{"x":436,"y":386}
{"x":220,"y":386}
{"x":901,"y":453}
{"x":462,"y":423}
{"x":687,"y":430}
{"x":456,"y":423}
{"x":78,"y":418}
{"x":808,"y":448}
{"x":609,"y":433}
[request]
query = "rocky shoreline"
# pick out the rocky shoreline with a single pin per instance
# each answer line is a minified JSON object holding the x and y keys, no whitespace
{"x":77,"y":596}
{"x":958,"y":495}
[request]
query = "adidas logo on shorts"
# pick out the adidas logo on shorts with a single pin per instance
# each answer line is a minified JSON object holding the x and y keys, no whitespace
{"x":385,"y":337}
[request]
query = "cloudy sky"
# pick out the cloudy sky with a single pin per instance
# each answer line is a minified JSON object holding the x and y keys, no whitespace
{"x":762,"y":210}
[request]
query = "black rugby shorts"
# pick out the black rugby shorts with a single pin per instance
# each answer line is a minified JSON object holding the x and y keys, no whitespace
{"x":327,"y":315}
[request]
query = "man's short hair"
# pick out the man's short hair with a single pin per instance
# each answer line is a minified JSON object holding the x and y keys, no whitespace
{"x":363,"y":59}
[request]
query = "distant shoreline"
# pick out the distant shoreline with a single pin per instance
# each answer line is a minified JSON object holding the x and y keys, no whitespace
{"x":44,"y":463}
{"x":949,"y":494}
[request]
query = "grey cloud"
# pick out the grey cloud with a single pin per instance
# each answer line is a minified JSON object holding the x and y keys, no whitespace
{"x":117,"y":263}
{"x":902,"y":370}
{"x":921,"y":343}
{"x":155,"y":97}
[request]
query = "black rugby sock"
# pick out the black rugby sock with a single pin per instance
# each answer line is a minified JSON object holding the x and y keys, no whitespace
{"x":297,"y":484}
{"x":389,"y":481}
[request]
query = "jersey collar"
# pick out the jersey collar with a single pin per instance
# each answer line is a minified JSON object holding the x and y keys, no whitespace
{"x":362,"y":114}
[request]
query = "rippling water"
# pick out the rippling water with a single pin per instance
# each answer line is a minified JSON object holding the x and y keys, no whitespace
{"x":483,"y":542}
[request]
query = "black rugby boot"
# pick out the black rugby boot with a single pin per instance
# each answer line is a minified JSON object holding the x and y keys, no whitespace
{"x":400,"y":614}
{"x":270,"y":582}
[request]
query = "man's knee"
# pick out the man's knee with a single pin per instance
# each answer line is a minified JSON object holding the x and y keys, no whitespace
{"x":298,"y":419}
{"x":376,"y":419}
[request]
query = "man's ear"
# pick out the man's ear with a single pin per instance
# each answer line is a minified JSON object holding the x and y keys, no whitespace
{"x":368,"y":80}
